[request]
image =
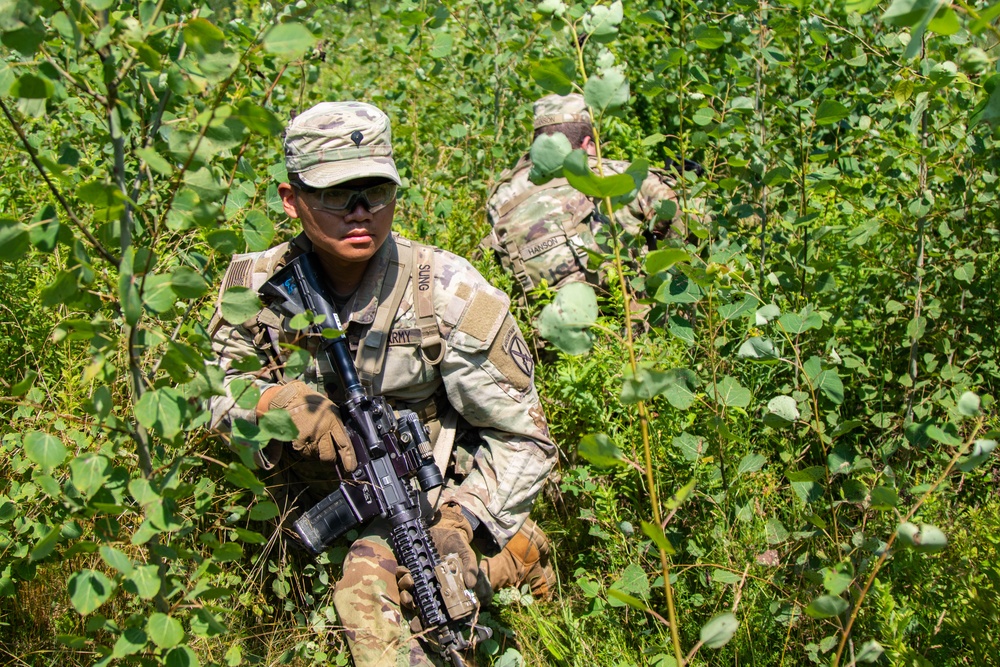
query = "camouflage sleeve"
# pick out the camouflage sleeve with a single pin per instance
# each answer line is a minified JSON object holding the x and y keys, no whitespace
{"x":232,"y":343}
{"x":488,"y":375}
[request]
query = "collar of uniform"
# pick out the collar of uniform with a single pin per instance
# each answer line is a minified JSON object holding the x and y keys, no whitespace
{"x":301,"y":243}
{"x":365,"y":302}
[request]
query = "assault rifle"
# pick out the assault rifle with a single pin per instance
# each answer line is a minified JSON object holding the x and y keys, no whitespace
{"x":391,"y":451}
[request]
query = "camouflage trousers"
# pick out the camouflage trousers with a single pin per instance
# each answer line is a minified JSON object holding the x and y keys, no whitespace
{"x":367,"y":601}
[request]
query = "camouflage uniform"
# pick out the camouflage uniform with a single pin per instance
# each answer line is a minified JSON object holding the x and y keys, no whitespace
{"x":543,"y":232}
{"x":473,"y":387}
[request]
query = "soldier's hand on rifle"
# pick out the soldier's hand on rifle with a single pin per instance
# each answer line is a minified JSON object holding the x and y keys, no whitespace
{"x":321,"y":432}
{"x":452,"y":535}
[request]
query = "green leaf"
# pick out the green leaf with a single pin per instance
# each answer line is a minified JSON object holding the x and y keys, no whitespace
{"x":187,"y":283}
{"x":908,"y":13}
{"x":47,"y":544}
{"x":606,"y":92}
{"x":883,"y":498}
{"x":548,"y":152}
{"x":297,"y":362}
{"x":44,"y":229}
{"x":291,"y":40}
{"x":653,"y":532}
{"x":598,"y":449}
{"x":681,"y":328}
{"x":870,"y":651}
{"x":131,"y":641}
{"x":750,"y":463}
{"x":32,"y":87}
{"x":155,"y":161}
{"x":567,"y":320}
{"x":985,"y":17}
{"x":264,"y":511}
{"x":758,"y":349}
{"x":258,"y":230}
{"x":128,"y":294}
{"x":203,"y":36}
{"x":162,"y":411}
{"x":718,"y":631}
{"x":88,"y":590}
{"x":831,"y":385}
{"x":680,"y":495}
{"x":116,"y":559}
{"x":257,"y":119}
{"x":966,"y":272}
{"x":278,"y":425}
{"x":647,"y":383}
{"x":45,"y":450}
{"x":827,"y":606}
{"x":708,"y":36}
{"x":239,"y":304}
{"x":601,"y":22}
{"x":205,"y":624}
{"x":730,"y":393}
{"x":157,"y":293}
{"x":89,"y":472}
{"x":703,"y":116}
{"x":555,"y":75}
{"x":143,"y":491}
{"x":619,"y":599}
{"x":837,"y":579}
{"x":794,"y":323}
{"x":244,"y":478}
{"x":14,"y":241}
{"x":945,"y":22}
{"x":775,"y":532}
{"x":633,"y":580}
{"x":861,"y":6}
{"x":968,"y":404}
{"x":691,"y":446}
{"x":146,"y":580}
{"x":441,"y":48}
{"x":831,"y":111}
{"x":782,"y":409}
{"x":166,"y":632}
{"x":680,"y":393}
{"x":227,"y":552}
{"x":576,"y":169}
{"x":549,"y":7}
{"x":731,"y":311}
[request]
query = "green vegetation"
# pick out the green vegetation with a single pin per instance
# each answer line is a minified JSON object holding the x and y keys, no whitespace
{"x":789,"y":463}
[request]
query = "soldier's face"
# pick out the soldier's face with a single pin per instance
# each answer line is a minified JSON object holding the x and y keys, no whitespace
{"x":351,"y":236}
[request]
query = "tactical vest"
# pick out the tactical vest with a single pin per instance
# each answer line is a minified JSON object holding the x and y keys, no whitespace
{"x":543,"y":233}
{"x":414,"y":263}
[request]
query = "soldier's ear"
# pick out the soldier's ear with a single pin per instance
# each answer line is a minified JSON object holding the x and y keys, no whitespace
{"x":289,"y":199}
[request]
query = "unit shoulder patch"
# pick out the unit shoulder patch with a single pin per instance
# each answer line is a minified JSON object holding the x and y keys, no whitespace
{"x":511,"y":355}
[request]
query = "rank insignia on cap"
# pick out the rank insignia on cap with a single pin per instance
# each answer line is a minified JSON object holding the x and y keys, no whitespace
{"x":357,"y":137}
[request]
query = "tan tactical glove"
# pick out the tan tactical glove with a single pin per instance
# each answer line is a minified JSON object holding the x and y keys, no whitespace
{"x":321,"y":432}
{"x":452,"y":535}
{"x":525,"y":560}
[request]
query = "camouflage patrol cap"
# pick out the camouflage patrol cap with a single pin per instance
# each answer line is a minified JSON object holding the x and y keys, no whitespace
{"x":555,"y":109}
{"x":334,"y":142}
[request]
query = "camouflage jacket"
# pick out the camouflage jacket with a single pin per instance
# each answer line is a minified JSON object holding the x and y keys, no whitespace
{"x":491,"y":438}
{"x":543,"y":232}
